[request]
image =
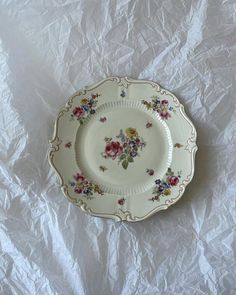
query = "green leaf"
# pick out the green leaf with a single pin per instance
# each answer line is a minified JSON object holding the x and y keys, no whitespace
{"x":107,"y":139}
{"x":125,"y":164}
{"x":130,"y":159}
{"x":123,"y":156}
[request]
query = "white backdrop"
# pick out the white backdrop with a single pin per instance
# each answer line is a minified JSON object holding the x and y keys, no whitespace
{"x":50,"y":49}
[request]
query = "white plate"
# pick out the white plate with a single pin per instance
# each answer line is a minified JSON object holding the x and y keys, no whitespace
{"x":123,"y":149}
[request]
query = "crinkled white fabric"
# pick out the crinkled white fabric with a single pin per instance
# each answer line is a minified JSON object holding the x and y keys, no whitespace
{"x":50,"y":49}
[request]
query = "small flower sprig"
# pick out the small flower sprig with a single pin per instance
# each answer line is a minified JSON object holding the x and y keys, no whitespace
{"x":103,"y":168}
{"x":121,"y":201}
{"x":68,"y":144}
{"x":178,"y":145}
{"x":150,"y":171}
{"x":84,"y":187}
{"x":103,"y":119}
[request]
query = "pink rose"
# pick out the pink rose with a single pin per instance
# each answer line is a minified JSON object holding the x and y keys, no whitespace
{"x":78,"y":190}
{"x":79,"y":177}
{"x":164,"y":102}
{"x":113,"y":149}
{"x":164,"y":115}
{"x":173,"y":180}
{"x":78,"y":112}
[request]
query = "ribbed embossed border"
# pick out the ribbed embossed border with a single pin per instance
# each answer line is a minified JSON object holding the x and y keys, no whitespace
{"x":134,"y":104}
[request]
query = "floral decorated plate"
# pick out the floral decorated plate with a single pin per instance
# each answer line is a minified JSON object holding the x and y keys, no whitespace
{"x":123,"y":149}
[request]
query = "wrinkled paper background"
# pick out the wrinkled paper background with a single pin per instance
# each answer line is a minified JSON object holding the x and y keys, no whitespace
{"x":50,"y":49}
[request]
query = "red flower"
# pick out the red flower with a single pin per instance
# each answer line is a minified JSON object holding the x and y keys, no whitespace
{"x":79,"y":177}
{"x":164,"y":115}
{"x":164,"y":102}
{"x":113,"y":149}
{"x":173,"y":180}
{"x":78,"y":190}
{"x":78,"y":112}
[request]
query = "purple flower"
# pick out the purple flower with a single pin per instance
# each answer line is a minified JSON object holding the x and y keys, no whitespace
{"x":133,"y":153}
{"x":132,"y":143}
{"x":86,"y":191}
{"x":161,"y":188}
{"x":158,"y":181}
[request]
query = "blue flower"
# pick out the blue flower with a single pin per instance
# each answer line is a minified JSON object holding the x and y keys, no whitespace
{"x":85,"y":107}
{"x":166,"y":185}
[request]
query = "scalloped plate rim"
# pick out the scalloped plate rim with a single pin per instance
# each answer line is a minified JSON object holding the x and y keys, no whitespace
{"x":119,"y":215}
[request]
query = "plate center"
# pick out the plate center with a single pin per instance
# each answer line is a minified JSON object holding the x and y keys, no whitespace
{"x":123,"y":147}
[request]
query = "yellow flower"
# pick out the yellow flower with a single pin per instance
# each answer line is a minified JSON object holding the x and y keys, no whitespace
{"x":148,"y":105}
{"x":131,"y":132}
{"x":96,"y":188}
{"x":84,"y":101}
{"x":167,"y":192}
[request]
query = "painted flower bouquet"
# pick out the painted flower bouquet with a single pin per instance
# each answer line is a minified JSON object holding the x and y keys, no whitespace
{"x":82,"y":186}
{"x":125,"y":148}
{"x":163,"y":187}
{"x":160,"y":106}
{"x":87,"y":106}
